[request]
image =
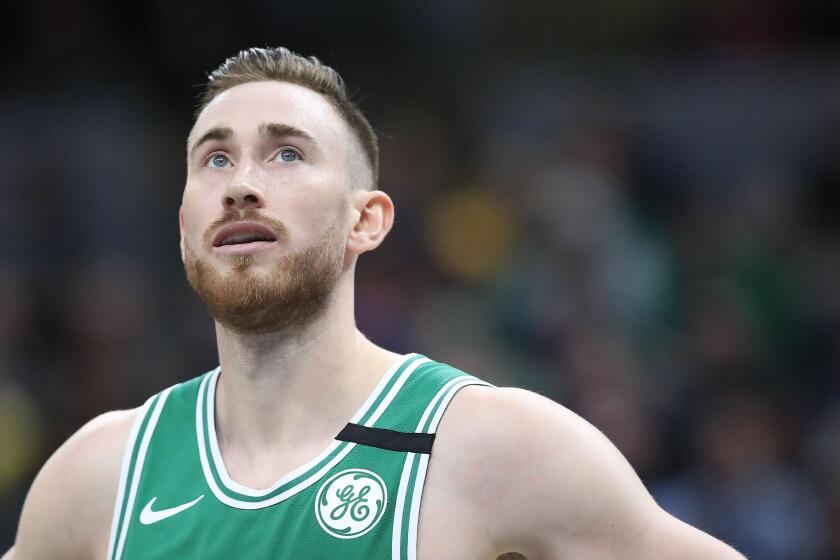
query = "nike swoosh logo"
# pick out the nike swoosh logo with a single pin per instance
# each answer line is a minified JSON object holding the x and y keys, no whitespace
{"x":147,"y":516}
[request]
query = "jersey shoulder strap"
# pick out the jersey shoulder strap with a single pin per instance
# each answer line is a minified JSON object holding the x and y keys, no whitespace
{"x":181,"y":397}
{"x":408,"y":425}
{"x":410,"y":420}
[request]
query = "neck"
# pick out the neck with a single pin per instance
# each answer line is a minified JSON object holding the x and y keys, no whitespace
{"x":295,"y":389}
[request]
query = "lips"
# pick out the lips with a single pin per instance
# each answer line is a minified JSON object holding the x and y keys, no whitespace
{"x":241,"y":233}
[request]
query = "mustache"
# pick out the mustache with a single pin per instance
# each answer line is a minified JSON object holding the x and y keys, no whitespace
{"x":232,"y":216}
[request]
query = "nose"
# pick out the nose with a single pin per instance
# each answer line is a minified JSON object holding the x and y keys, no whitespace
{"x":241,"y":194}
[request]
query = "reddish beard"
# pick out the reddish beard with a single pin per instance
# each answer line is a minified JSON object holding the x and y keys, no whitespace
{"x":293,"y":293}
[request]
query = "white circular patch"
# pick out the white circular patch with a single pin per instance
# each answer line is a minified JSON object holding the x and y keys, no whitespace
{"x":351,"y":503}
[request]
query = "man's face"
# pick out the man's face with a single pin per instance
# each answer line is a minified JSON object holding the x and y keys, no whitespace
{"x":265,"y":212}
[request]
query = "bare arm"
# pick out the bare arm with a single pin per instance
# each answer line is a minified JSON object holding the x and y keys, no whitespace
{"x":67,"y":512}
{"x":552,"y":486}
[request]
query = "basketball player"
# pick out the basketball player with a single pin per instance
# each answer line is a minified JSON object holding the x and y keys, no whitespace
{"x":309,"y":441}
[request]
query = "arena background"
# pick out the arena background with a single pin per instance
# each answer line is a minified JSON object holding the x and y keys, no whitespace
{"x":630,"y":207}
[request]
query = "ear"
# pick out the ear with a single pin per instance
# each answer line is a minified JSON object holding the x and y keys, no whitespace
{"x":373,"y":212}
{"x":181,"y":230}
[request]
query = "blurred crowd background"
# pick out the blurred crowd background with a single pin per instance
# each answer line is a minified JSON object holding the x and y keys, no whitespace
{"x":630,"y":207}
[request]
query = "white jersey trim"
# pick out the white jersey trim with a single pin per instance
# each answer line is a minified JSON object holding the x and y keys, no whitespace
{"x":126,"y":463}
{"x":138,"y":470}
{"x":397,"y":533}
{"x":443,"y":396}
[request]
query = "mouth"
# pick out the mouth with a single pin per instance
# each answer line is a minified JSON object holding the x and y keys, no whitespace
{"x":243,"y":237}
{"x":243,"y":248}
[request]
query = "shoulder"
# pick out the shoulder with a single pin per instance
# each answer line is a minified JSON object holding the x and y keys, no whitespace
{"x":544,"y":481}
{"x":67,"y":513}
{"x":506,"y":451}
{"x":504,"y":433}
{"x":508,"y":423}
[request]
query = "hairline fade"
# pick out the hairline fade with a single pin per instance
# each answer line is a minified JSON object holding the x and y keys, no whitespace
{"x":282,"y":65}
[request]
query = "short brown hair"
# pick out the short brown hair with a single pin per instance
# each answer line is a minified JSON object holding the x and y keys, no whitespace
{"x":281,"y":64}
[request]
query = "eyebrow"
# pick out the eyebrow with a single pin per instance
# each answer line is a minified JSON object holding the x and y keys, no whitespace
{"x":276,"y":130}
{"x":268,"y":130}
{"x":218,"y":133}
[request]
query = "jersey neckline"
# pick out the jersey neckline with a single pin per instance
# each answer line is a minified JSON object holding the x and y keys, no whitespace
{"x":237,"y":495}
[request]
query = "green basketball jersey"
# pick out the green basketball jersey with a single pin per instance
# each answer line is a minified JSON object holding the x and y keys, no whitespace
{"x":359,"y":499}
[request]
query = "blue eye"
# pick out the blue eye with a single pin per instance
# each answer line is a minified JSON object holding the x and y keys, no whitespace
{"x":288,"y":154}
{"x":218,"y":160}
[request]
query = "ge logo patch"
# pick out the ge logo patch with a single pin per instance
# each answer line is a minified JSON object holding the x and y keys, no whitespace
{"x":351,"y":503}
